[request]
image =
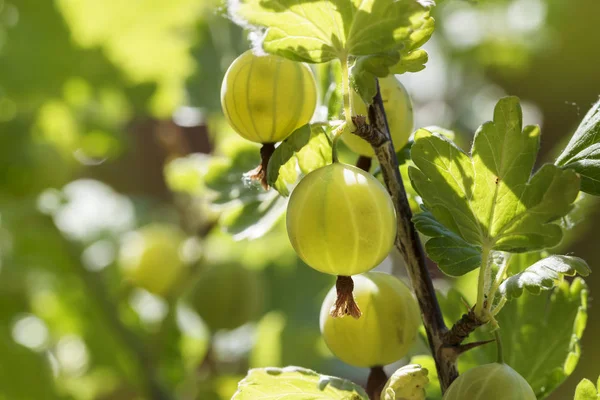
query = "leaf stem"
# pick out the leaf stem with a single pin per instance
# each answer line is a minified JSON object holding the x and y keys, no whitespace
{"x":482,"y":281}
{"x":496,"y":284}
{"x":500,"y":358}
{"x":346,"y":90}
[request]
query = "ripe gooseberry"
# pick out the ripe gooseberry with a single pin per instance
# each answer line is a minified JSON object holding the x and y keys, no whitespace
{"x":266,"y":98}
{"x":227,"y":295}
{"x":398,"y":110}
{"x":385,"y":331}
{"x":496,"y":381}
{"x":341,"y":220}
{"x":150,"y":257}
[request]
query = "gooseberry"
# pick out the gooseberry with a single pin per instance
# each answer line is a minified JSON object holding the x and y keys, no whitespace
{"x":266,"y":98}
{"x":227,"y":295}
{"x":398,"y":110}
{"x":150,"y":257}
{"x":496,"y":381}
{"x":341,"y":220}
{"x":385,"y":331}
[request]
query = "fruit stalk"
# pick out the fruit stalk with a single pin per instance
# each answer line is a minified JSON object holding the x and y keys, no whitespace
{"x":407,"y":240}
{"x":375,"y":383}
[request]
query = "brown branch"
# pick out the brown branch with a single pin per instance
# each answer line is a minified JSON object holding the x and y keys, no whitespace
{"x":376,"y":382}
{"x":462,"y":329}
{"x":407,"y":240}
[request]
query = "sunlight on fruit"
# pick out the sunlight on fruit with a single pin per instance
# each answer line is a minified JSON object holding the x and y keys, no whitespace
{"x":341,"y":220}
{"x":266,"y":98}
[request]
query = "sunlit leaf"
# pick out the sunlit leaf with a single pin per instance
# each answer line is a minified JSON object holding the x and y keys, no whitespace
{"x":586,"y":391}
{"x":488,"y":198}
{"x":308,"y":148}
{"x":543,"y":275}
{"x":320,"y":31}
{"x":295,"y":383}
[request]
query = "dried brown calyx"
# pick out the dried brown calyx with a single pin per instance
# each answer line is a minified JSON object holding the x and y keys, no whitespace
{"x":260,"y":173}
{"x":345,"y":304}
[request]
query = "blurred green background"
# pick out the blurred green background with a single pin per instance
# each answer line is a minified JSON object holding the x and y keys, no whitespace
{"x":114,"y":153}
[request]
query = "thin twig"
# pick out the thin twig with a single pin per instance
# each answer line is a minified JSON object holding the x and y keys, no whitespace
{"x":407,"y":240}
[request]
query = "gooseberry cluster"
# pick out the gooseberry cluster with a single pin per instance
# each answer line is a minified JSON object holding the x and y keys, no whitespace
{"x":340,"y":219}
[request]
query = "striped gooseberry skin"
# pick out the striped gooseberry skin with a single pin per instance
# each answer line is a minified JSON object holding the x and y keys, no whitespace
{"x":341,"y":220}
{"x":399,"y":112}
{"x":490,"y":382}
{"x":266,"y":98}
{"x":385,"y":331}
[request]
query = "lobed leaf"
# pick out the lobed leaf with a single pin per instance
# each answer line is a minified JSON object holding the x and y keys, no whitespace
{"x":586,"y":390}
{"x":323,"y":30}
{"x":308,"y":148}
{"x":540,"y":334}
{"x":409,"y":58}
{"x":582,"y":154}
{"x":295,"y":383}
{"x":543,"y":275}
{"x":452,"y":253}
{"x":489,"y":198}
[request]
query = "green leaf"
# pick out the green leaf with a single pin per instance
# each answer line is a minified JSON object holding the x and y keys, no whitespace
{"x":543,"y":275}
{"x":247,"y":211}
{"x":586,"y":391}
{"x":407,"y":383}
{"x":308,"y":148}
{"x":452,"y":253}
{"x":582,"y":154}
{"x":518,"y":263}
{"x":320,"y":31}
{"x":225,"y":175}
{"x":295,"y":383}
{"x":489,"y":199}
{"x":254,"y":219}
{"x":410,"y":58}
{"x":540,"y":334}
{"x":365,"y":69}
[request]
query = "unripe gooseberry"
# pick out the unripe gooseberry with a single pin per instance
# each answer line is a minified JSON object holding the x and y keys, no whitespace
{"x":227,"y":295}
{"x":150,"y":257}
{"x":398,"y":110}
{"x":490,"y":382}
{"x":341,"y":220}
{"x":266,"y":98}
{"x":385,"y":331}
